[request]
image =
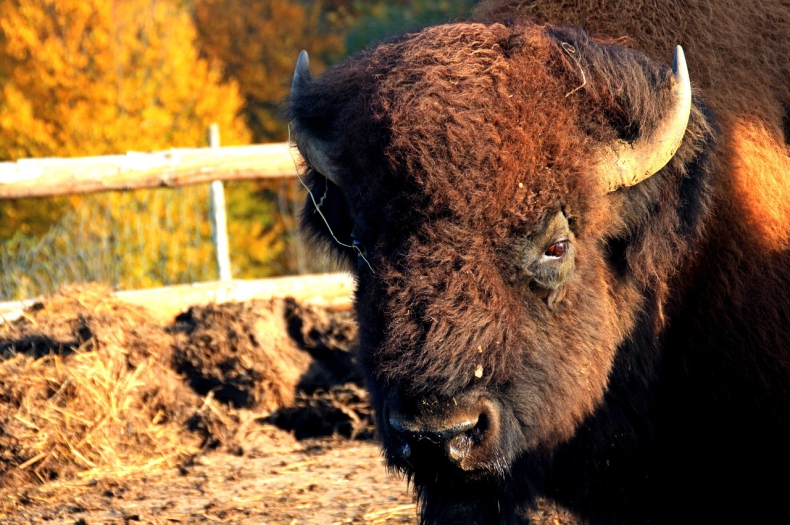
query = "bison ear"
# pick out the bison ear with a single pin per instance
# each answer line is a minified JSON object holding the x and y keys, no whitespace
{"x":315,"y":151}
{"x":624,"y":164}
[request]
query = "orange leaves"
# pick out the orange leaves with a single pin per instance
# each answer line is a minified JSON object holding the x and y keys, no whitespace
{"x":22,"y":134}
{"x":89,"y":77}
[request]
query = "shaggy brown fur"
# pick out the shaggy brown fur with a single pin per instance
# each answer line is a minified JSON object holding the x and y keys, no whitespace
{"x":660,"y":376}
{"x":737,"y":50}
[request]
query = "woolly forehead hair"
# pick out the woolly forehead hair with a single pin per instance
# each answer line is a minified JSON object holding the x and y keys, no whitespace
{"x":477,"y":124}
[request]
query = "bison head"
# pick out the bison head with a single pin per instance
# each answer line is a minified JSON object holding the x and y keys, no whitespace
{"x":500,"y":191}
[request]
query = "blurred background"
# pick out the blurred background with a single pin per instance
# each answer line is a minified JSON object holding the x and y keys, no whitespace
{"x":97,"y":77}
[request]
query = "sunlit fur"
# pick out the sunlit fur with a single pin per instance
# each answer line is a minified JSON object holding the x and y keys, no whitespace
{"x":656,"y":390}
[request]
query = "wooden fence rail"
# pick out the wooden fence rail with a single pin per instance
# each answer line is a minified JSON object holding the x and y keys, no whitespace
{"x":332,"y":290}
{"x":176,"y":167}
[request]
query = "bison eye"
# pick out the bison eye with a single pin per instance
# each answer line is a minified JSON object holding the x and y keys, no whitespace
{"x":557,"y":249}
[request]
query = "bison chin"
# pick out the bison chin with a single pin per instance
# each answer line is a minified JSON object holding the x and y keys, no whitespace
{"x":471,"y":504}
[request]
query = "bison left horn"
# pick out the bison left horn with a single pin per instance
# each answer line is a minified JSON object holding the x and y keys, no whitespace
{"x":313,"y":150}
{"x":626,"y":164}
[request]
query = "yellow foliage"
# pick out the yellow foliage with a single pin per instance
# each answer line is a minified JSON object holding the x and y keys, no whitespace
{"x":158,"y":236}
{"x":91,"y":77}
{"x":129,"y":240}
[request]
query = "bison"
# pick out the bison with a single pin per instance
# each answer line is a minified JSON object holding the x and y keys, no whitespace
{"x":573,"y":268}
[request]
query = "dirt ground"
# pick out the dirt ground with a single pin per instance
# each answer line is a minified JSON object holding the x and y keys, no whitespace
{"x":278,"y":480}
{"x":247,"y":413}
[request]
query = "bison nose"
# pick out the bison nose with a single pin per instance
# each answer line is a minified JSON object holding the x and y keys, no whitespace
{"x":455,"y":440}
{"x":436,"y":435}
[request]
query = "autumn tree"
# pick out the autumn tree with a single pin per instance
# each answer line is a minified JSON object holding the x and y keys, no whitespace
{"x":257,"y":43}
{"x":89,"y":77}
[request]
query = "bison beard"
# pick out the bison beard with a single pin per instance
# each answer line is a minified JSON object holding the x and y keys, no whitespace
{"x":525,"y":327}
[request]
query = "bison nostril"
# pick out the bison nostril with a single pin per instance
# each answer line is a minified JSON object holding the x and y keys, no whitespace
{"x":459,"y":447}
{"x":476,"y":434}
{"x":455,"y":440}
{"x":447,"y":434}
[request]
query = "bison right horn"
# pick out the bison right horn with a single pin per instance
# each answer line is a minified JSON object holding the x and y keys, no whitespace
{"x":629,"y":163}
{"x":313,"y":150}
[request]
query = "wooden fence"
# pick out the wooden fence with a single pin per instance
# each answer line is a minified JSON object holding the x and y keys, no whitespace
{"x":173,"y":168}
{"x":176,"y":167}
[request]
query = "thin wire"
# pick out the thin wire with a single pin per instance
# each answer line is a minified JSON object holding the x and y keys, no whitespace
{"x":318,"y":205}
{"x":571,"y":51}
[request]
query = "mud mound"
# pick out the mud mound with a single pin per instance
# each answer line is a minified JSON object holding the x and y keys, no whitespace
{"x":96,"y":395}
{"x":77,"y":317}
{"x":241,"y":353}
{"x":342,"y":410}
{"x":329,"y":336}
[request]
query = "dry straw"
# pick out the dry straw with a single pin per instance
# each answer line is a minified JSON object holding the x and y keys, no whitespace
{"x":86,"y":391}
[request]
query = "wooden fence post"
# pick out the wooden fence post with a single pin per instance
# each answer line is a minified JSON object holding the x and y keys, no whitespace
{"x":219,"y":221}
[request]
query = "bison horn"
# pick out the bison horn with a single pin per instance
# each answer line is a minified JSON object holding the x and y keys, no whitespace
{"x":313,"y":150}
{"x":626,"y":164}
{"x":302,"y":75}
